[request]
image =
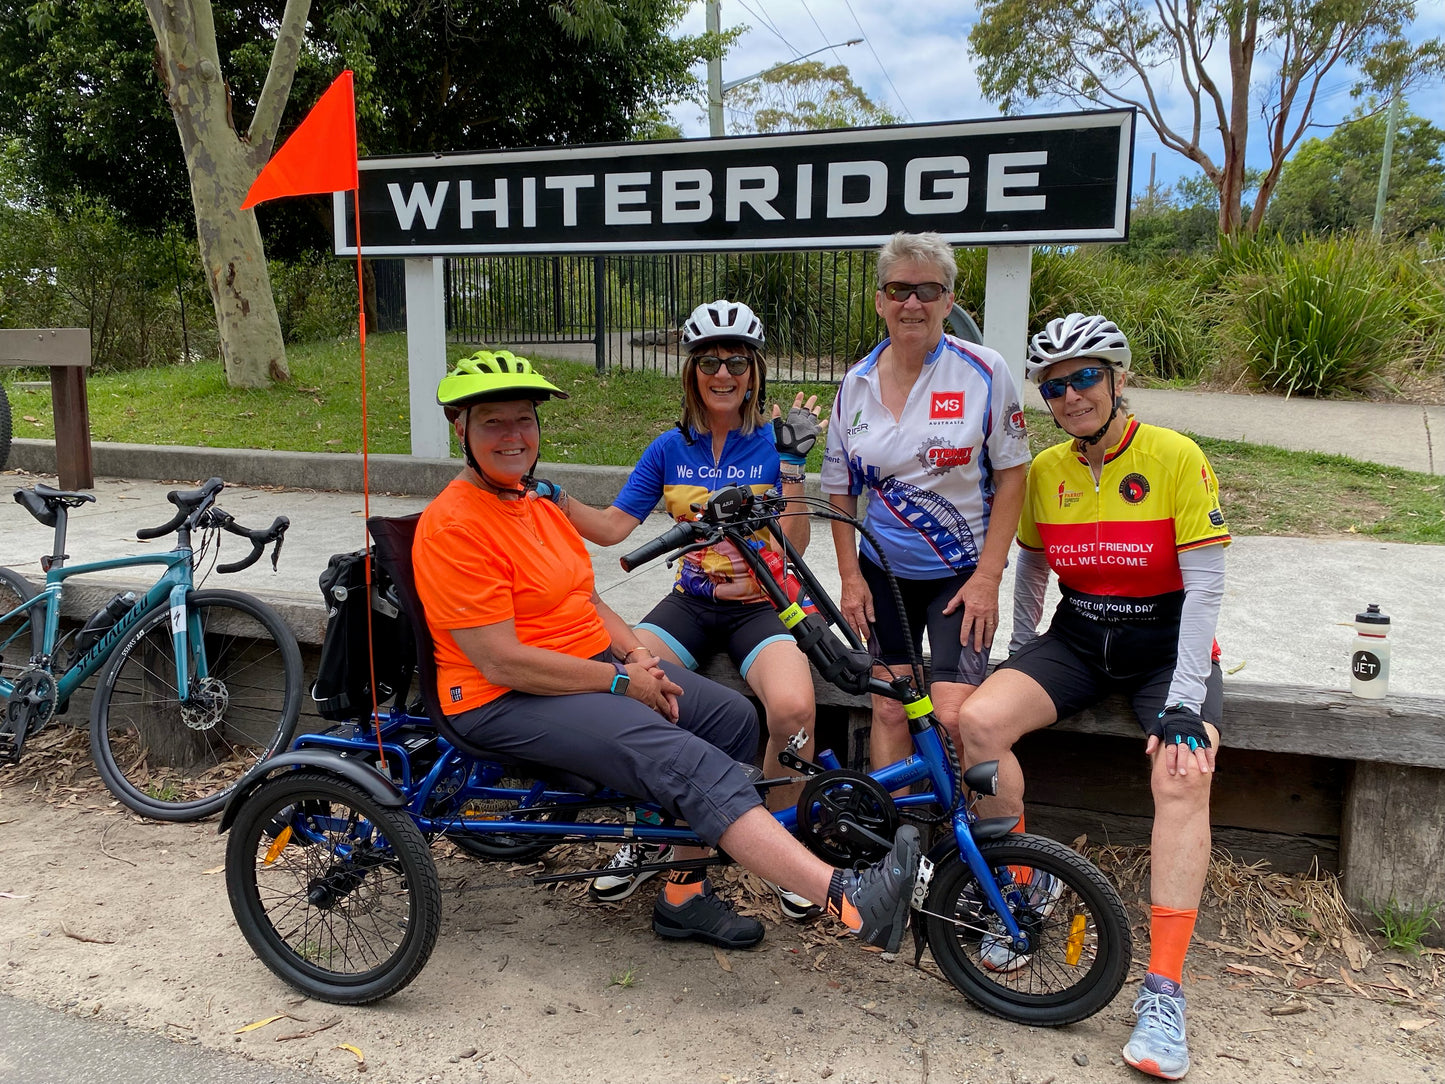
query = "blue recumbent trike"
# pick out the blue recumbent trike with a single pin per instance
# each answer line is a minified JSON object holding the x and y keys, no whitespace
{"x":331,"y":879}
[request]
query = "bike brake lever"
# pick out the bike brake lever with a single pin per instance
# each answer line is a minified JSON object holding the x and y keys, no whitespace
{"x":276,"y":553}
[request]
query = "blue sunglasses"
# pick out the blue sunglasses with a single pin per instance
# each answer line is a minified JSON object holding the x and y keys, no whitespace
{"x":1079,"y":380}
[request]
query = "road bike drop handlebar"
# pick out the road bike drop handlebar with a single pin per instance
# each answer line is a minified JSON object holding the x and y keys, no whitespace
{"x":735,"y":513}
{"x":195,"y":509}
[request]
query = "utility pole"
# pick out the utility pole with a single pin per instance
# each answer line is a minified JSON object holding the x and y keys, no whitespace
{"x":714,"y":75}
{"x":1392,"y":119}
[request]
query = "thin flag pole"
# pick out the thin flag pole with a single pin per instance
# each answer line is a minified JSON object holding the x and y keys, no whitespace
{"x":366,"y":468}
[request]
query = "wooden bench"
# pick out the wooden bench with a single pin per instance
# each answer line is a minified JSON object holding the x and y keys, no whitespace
{"x":1306,"y":777}
{"x":66,"y":353}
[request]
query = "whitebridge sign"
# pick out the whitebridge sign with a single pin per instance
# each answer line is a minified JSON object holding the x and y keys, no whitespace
{"x":1059,"y":179}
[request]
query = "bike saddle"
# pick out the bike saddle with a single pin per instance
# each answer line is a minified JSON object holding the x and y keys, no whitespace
{"x":42,"y":501}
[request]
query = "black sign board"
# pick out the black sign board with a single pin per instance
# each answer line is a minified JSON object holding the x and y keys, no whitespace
{"x":1037,"y":180}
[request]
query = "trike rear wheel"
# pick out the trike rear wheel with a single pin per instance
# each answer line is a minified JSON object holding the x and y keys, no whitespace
{"x":1078,"y":928}
{"x":335,"y":893}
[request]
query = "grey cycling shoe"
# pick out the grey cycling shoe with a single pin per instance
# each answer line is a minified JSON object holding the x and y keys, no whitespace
{"x":878,"y":897}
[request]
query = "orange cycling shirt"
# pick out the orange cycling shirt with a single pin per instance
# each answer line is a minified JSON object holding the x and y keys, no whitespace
{"x":480,"y":560}
{"x":1115,"y":544}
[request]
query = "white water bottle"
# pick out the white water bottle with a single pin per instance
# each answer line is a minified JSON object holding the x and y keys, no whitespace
{"x":1370,"y":656}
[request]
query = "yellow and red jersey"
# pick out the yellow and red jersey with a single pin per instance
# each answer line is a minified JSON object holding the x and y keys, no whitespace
{"x":1114,"y":544}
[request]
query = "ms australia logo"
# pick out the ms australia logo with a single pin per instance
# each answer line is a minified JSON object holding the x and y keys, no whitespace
{"x":1134,"y":488}
{"x":946,"y":406}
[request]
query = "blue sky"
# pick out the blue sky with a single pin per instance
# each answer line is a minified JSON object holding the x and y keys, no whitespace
{"x":915,"y":60}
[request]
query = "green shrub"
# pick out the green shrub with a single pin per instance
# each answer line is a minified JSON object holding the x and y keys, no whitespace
{"x":85,"y":268}
{"x":315,"y":298}
{"x":1317,"y":317}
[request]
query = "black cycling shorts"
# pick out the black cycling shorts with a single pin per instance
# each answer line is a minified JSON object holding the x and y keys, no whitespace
{"x":923,"y":603}
{"x":697,"y":628}
{"x":1074,"y":684}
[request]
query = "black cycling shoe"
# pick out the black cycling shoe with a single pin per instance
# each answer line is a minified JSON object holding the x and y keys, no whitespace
{"x":705,"y":917}
{"x":881,"y":893}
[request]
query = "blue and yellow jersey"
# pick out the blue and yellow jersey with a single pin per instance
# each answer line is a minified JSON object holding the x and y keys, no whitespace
{"x":679,"y":471}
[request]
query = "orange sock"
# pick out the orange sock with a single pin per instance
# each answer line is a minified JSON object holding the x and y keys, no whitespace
{"x":682,"y":885}
{"x":1169,"y":933}
{"x":840,"y":906}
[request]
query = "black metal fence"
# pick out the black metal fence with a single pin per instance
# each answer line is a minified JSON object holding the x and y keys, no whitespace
{"x":817,"y":307}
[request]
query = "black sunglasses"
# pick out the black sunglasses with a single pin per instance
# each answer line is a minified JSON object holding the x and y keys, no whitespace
{"x":1079,"y":380}
{"x":924,"y":291}
{"x":710,"y":363}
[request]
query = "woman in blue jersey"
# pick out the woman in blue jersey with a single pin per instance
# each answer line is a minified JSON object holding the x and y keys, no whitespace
{"x":932,"y":428}
{"x":715,"y":604}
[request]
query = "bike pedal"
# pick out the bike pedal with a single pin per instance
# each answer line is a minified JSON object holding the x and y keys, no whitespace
{"x":921,"y":883}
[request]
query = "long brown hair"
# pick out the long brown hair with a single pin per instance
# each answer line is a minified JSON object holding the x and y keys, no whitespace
{"x":694,"y":413}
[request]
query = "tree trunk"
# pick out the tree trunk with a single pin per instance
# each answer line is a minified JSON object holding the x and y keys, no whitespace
{"x":221,"y":168}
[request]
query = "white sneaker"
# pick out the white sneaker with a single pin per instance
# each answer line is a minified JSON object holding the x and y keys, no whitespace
{"x":794,"y":906}
{"x":995,"y":949}
{"x":614,"y":886}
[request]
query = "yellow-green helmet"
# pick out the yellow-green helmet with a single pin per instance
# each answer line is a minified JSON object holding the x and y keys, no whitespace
{"x":494,"y":375}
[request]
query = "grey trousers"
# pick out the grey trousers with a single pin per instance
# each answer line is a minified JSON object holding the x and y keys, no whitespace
{"x":690,"y":767}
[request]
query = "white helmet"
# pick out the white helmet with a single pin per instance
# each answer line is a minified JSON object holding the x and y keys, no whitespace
{"x":722,"y":320}
{"x":1077,"y":336}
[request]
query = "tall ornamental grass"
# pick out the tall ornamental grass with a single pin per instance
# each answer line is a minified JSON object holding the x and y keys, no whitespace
{"x":1319,"y":317}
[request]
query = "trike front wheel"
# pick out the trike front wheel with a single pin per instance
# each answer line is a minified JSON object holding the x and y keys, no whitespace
{"x":1077,"y":926}
{"x":336,"y":893}
{"x":179,"y":759}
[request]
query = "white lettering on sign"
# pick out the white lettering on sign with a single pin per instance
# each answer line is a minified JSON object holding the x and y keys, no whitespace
{"x":1001,"y":180}
{"x":529,"y":202}
{"x":406,"y":208}
{"x":757,"y":186}
{"x":569,"y":186}
{"x":686,"y":195}
{"x":876,"y":201}
{"x":497,"y":204}
{"x":620,"y":190}
{"x":805,"y":191}
{"x":948,"y":190}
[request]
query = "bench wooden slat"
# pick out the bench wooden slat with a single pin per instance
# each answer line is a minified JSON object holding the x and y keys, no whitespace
{"x":65,"y":351}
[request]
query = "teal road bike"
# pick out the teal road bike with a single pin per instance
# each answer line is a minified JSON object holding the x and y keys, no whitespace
{"x":194,"y":687}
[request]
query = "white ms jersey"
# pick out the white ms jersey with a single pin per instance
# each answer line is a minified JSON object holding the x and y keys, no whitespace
{"x":930,"y":473}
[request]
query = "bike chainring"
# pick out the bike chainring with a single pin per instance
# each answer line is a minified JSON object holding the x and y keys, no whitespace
{"x":832,"y":809}
{"x":30,"y":707}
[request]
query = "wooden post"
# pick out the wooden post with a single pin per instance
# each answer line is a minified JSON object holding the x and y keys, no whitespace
{"x":1392,"y":842}
{"x":66,"y":353}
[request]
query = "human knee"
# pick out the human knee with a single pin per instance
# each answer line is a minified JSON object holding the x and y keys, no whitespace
{"x":790,"y":712}
{"x":1181,"y":792}
{"x":985,"y":730}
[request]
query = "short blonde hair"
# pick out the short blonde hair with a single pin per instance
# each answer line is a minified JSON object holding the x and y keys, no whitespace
{"x":928,"y":249}
{"x":694,"y":412}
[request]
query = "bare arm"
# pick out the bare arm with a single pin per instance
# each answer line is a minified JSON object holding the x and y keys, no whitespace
{"x":604,"y":526}
{"x":855,"y":601}
{"x":979,"y":596}
{"x":504,"y":660}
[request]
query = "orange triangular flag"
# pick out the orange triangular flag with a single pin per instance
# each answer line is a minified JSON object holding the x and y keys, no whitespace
{"x":320,"y":156}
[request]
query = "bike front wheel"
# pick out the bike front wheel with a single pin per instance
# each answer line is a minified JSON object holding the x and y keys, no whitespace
{"x":1077,"y":926}
{"x":336,"y":894}
{"x":179,"y":760}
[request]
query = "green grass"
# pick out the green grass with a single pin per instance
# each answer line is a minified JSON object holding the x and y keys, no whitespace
{"x":1403,"y":928}
{"x":609,"y":420}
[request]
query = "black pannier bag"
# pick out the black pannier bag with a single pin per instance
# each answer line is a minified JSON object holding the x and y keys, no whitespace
{"x":342,"y":689}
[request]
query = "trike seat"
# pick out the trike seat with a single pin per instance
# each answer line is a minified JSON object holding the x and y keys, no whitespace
{"x":393,"y":536}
